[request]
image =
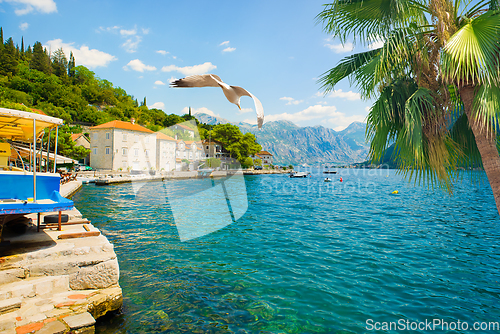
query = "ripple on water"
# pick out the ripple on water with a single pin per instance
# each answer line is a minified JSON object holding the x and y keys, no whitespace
{"x":305,"y":258}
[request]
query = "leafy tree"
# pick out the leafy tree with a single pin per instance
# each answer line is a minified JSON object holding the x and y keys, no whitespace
{"x":40,"y":60}
{"x":247,"y":162}
{"x":8,"y":59}
{"x":59,"y":63}
{"x":257,"y":162}
{"x":240,"y":146}
{"x":213,"y":162}
{"x":71,"y":65}
{"x":436,"y":81}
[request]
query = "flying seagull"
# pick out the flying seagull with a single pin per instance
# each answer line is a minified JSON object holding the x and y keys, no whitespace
{"x":233,"y":93}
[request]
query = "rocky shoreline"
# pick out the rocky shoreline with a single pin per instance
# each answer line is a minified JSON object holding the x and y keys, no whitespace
{"x":58,"y":281}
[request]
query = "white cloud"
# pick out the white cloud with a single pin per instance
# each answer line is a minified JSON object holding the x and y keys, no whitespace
{"x":342,"y":121}
{"x":190,"y":70}
{"x":291,"y":100}
{"x":245,"y":110}
{"x":376,"y":43}
{"x":132,"y":44}
{"x":130,"y":32}
{"x":145,"y":31}
{"x":42,"y":6}
{"x":159,"y":83}
{"x":229,"y":49}
{"x":172,"y":79}
{"x":138,"y":66}
{"x":350,"y":95}
{"x":91,"y":58}
{"x":23,"y":26}
{"x":162,"y":52}
{"x":367,"y":109}
{"x":157,"y":105}
{"x":201,"y":110}
{"x":224,"y":43}
{"x":108,"y":29}
{"x":321,"y":113}
{"x":312,"y":112}
{"x":340,"y":48}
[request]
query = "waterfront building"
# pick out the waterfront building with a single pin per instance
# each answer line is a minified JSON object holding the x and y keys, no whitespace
{"x":185,"y":129}
{"x":165,"y":152}
{"x":265,"y":156}
{"x":119,"y":145}
{"x":81,"y":140}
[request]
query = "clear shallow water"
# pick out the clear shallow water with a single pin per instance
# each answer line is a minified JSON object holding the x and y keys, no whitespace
{"x":307,"y":257}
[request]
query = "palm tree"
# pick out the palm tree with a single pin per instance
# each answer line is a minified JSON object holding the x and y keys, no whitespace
{"x":436,"y":81}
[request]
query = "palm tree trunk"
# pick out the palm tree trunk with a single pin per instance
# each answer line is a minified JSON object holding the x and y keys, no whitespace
{"x":486,"y":143}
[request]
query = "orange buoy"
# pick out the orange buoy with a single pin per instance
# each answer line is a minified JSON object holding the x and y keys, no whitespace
{"x":341,"y":179}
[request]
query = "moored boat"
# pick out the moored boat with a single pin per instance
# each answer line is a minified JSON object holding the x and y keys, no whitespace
{"x":28,"y":187}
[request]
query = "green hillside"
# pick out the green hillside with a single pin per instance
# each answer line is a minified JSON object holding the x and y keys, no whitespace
{"x":30,"y":77}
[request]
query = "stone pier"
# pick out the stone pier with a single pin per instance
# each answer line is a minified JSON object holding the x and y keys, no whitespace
{"x":58,"y":281}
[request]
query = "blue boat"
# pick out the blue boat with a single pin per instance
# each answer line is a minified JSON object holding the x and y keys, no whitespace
{"x":28,"y":187}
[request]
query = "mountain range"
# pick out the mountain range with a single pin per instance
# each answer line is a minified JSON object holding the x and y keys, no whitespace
{"x":292,"y":144}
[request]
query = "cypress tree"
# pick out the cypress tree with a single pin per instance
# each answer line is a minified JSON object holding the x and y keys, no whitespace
{"x":1,"y":35}
{"x":22,"y":44}
{"x":8,"y":59}
{"x":39,"y":60}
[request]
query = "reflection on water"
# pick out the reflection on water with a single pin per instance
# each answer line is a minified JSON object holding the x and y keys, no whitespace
{"x":306,"y":257}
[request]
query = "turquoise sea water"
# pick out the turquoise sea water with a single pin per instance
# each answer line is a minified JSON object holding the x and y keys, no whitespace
{"x":307,"y":257}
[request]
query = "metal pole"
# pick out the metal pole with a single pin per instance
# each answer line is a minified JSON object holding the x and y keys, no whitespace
{"x":34,"y":160}
{"x":48,"y":150}
{"x":41,"y":151}
{"x":55,"y":150}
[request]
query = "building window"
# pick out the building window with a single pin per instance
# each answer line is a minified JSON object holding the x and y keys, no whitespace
{"x":124,"y":151}
{"x":124,"y":137}
{"x":108,"y":150}
{"x":136,"y":152}
{"x":95,"y":135}
{"x":108,"y":135}
{"x":146,"y":152}
{"x":94,"y":150}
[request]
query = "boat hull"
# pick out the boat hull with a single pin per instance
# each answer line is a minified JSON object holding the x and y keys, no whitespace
{"x":16,"y":193}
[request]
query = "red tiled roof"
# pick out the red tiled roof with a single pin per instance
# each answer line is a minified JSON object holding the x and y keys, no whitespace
{"x":185,"y":127}
{"x":264,"y":153}
{"x":116,"y":124}
{"x":160,"y":135}
{"x":38,"y":111}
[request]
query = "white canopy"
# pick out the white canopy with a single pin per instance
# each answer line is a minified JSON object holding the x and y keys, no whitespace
{"x":18,"y":125}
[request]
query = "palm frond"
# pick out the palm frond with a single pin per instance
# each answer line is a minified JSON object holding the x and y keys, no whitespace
{"x":486,"y":105}
{"x":345,"y":68}
{"x":471,"y":55}
{"x":366,"y":20}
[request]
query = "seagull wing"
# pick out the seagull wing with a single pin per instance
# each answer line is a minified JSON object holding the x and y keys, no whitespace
{"x":205,"y":80}
{"x":258,"y":106}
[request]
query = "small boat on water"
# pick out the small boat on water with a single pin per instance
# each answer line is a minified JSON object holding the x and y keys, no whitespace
{"x":298,"y":174}
{"x":330,"y":172}
{"x":28,"y":186}
{"x":327,"y":179}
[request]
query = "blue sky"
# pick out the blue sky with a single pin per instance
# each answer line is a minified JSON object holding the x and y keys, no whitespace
{"x":272,"y":48}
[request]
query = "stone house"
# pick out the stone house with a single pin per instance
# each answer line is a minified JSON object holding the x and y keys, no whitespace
{"x":266,"y":157}
{"x":119,"y":145}
{"x":81,"y":140}
{"x":165,"y":152}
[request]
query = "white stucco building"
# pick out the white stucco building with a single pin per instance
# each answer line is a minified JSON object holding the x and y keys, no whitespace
{"x":119,"y":145}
